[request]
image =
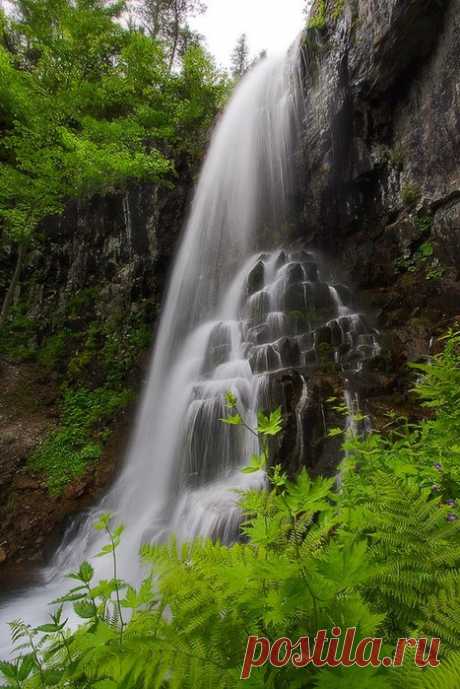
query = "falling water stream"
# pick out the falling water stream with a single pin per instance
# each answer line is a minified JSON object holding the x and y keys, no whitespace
{"x":239,"y":309}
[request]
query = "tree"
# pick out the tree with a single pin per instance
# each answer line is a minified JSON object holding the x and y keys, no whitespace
{"x":188,"y":38}
{"x":240,"y":57}
{"x":166,"y":20}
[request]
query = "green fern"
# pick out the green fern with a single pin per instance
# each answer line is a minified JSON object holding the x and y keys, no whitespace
{"x":381,"y":555}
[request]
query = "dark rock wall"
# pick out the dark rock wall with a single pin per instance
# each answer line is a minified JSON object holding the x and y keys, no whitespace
{"x":382,"y":151}
{"x":121,"y":245}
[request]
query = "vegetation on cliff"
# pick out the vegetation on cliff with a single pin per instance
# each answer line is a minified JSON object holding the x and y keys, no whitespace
{"x":88,"y":104}
{"x":381,"y":554}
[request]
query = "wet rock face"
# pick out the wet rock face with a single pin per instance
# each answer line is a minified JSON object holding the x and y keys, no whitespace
{"x":299,"y":341}
{"x":446,"y":233}
{"x":307,"y":419}
{"x":381,"y":112}
{"x":381,"y":151}
{"x":120,"y":246}
{"x":256,"y":278}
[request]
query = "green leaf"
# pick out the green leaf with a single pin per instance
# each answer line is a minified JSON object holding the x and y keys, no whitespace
{"x":230,"y":400}
{"x":8,"y":670}
{"x":49,"y":628}
{"x":86,"y":572}
{"x":25,"y":667}
{"x":335,"y":432}
{"x":426,"y":249}
{"x":358,"y":678}
{"x":270,"y":425}
{"x":106,"y":550}
{"x":118,"y":532}
{"x":70,"y":597}
{"x":85,"y":609}
{"x":278,"y":477}
{"x":232,"y":420}
{"x":52,"y":677}
{"x":256,"y":463}
{"x":103,"y":522}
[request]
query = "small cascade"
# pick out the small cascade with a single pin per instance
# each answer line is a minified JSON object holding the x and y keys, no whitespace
{"x":128,"y":221}
{"x":300,"y":408}
{"x":290,"y":316}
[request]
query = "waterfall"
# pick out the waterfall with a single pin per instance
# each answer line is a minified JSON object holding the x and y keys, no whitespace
{"x":241,"y":306}
{"x":179,"y":449}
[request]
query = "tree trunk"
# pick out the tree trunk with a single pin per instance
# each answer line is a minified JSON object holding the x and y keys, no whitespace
{"x":9,"y":296}
{"x":176,"y":36}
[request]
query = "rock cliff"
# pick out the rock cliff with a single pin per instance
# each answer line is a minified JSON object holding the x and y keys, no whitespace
{"x":382,"y":144}
{"x":379,"y":188}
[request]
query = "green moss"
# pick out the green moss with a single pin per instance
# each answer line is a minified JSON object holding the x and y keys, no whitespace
{"x":326,"y":358}
{"x":422,"y":257}
{"x":435,"y":270}
{"x":298,"y":319}
{"x":323,"y":11}
{"x":101,"y":357}
{"x":18,"y":336}
{"x":410,"y":194}
{"x":318,"y":18}
{"x":337,"y":10}
{"x":92,"y":364}
{"x":80,"y":437}
{"x":108,"y":352}
{"x":82,"y":302}
{"x":424,"y":223}
{"x":53,"y":352}
{"x":426,"y":250}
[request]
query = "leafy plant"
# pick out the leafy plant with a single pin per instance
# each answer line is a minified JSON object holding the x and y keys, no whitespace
{"x":435,"y":270}
{"x":424,"y":223}
{"x":268,"y":426}
{"x":17,"y":336}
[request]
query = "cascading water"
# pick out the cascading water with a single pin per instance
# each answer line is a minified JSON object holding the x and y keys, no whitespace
{"x":238,"y":310}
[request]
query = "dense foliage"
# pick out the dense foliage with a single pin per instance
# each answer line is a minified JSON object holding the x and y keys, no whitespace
{"x":380,"y":553}
{"x":88,"y":104}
